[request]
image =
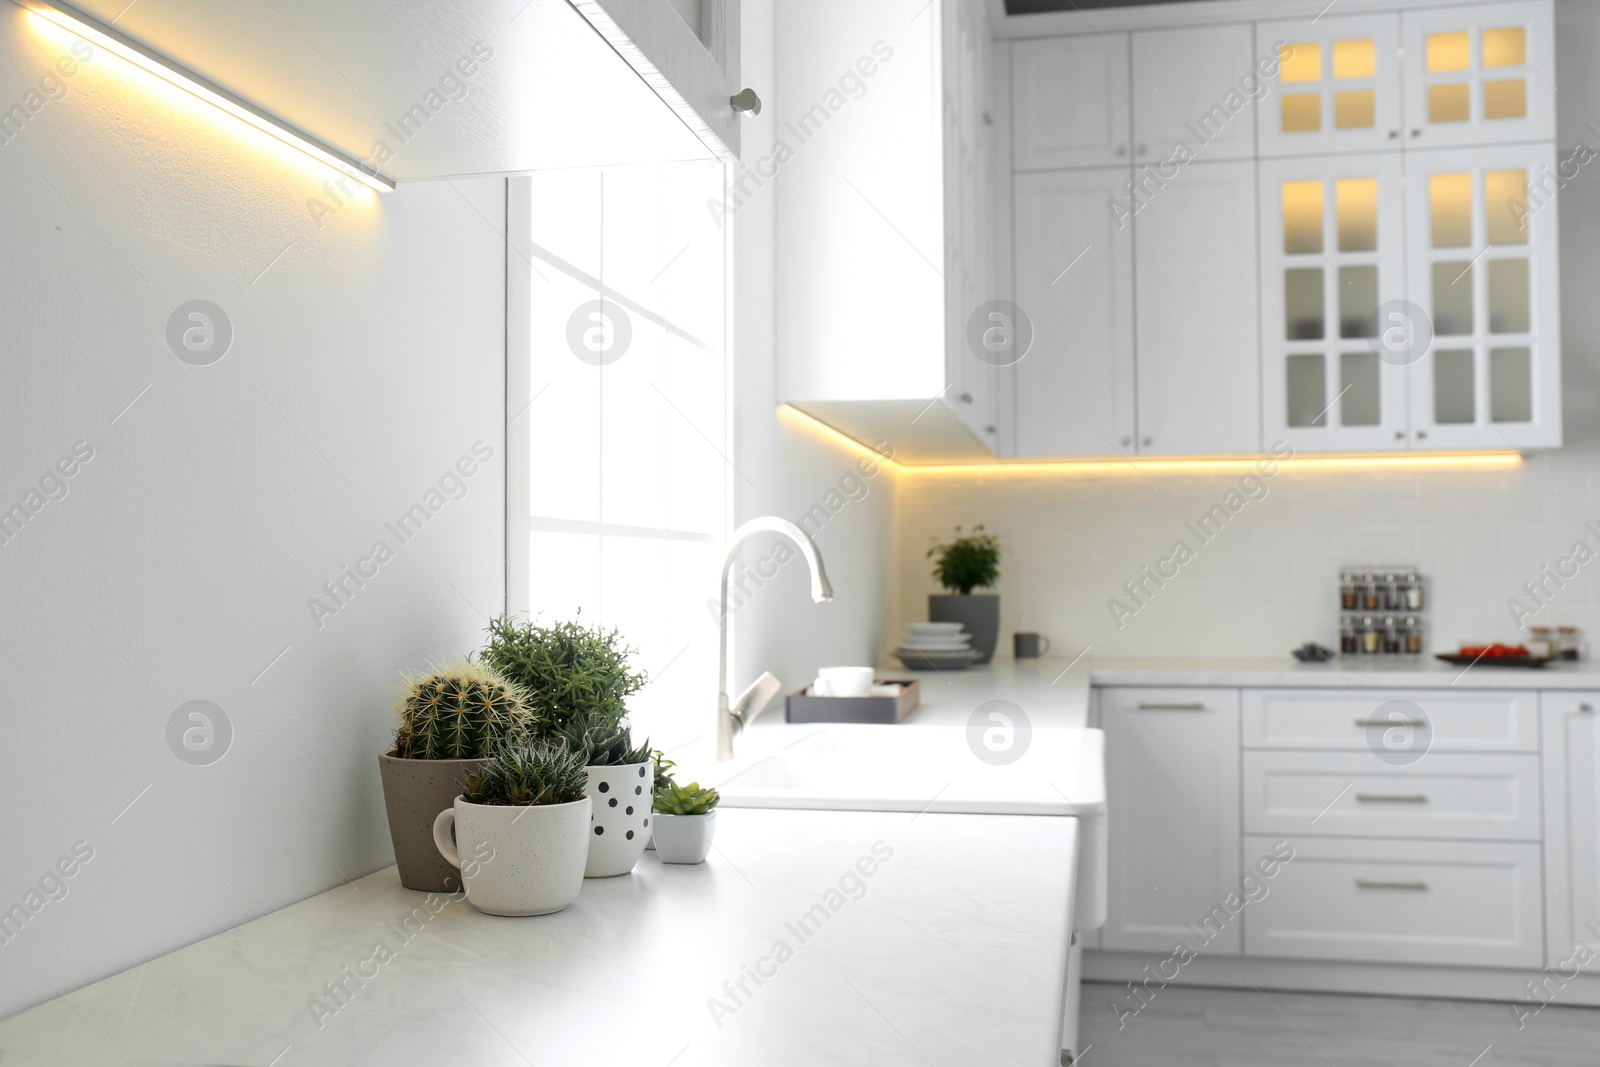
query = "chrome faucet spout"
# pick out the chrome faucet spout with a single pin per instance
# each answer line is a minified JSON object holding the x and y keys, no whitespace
{"x":729,"y":721}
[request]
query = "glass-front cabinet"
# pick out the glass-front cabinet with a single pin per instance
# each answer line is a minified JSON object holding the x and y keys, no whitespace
{"x":1338,"y":85}
{"x":1480,"y":73}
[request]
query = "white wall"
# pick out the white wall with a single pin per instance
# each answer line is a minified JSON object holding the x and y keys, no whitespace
{"x":367,"y":358}
{"x":1072,"y":543}
{"x":789,"y":470}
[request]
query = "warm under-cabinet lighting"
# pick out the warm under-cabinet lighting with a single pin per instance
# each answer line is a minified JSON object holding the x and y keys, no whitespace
{"x":1137,"y":465}
{"x":112,"y":40}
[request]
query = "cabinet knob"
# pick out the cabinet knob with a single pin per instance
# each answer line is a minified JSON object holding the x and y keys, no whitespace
{"x":1399,"y":435}
{"x":1122,"y":149}
{"x":990,"y":429}
{"x":1416,"y":133}
{"x":988,"y":119}
{"x":965,"y":398}
{"x":1393,"y":134}
{"x":1126,"y":441}
{"x":746,"y":100}
{"x":1586,"y":708}
{"x":1148,"y":441}
{"x":1421,"y":434}
{"x":1142,"y":150}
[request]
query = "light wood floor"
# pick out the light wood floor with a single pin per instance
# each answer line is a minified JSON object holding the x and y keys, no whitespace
{"x":1228,"y":1028}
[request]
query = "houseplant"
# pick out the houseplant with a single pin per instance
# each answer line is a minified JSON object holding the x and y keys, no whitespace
{"x":663,"y":778}
{"x":686,"y":819}
{"x":618,"y":779}
{"x":970,"y":561}
{"x":524,"y":819}
{"x":571,"y":673}
{"x":450,"y":720}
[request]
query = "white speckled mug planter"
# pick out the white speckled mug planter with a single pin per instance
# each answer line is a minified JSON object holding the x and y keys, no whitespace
{"x":684,"y":838}
{"x":622,"y":799}
{"x":518,"y":860}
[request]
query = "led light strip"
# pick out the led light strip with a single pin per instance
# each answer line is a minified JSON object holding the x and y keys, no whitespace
{"x":114,"y":41}
{"x":1380,"y":461}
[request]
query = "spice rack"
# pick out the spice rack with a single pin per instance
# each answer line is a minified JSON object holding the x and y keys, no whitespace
{"x":1382,"y":612}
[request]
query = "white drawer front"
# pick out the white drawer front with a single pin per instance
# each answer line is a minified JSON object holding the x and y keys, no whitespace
{"x":1401,"y":722}
{"x":1422,"y":902}
{"x":1355,"y":794}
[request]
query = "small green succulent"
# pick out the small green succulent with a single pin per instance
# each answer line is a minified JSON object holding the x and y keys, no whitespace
{"x":458,"y":711}
{"x":524,"y":772}
{"x":663,"y":769}
{"x":604,"y":746}
{"x":675,"y":799}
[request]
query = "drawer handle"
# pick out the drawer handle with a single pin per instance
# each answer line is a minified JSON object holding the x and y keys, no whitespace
{"x":1362,"y":883}
{"x":1414,"y":723}
{"x":1392,"y":798}
{"x":1148,"y":705}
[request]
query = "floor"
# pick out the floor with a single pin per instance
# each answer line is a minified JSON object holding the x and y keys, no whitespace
{"x":1228,"y":1028}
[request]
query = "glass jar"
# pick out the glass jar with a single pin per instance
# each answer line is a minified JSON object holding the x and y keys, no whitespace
{"x":1349,"y":643}
{"x":1369,"y":636}
{"x":1348,"y":597}
{"x":1371,"y":593}
{"x":1413,"y":589}
{"x":1541,"y":641}
{"x":1393,"y":597}
{"x":1391,"y":636}
{"x":1413,"y":636}
{"x":1569,"y":642}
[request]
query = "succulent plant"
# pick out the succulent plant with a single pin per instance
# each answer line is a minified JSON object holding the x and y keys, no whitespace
{"x":572,"y":673}
{"x":524,"y":772}
{"x":458,"y":711}
{"x":663,"y":769}
{"x":675,"y":799}
{"x":604,"y":746}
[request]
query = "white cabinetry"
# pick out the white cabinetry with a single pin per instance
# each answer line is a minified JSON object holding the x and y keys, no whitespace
{"x":1572,"y":820}
{"x":1070,"y":98}
{"x":1172,"y":786}
{"x":1480,"y":74}
{"x":1338,"y":85}
{"x":1190,"y":87}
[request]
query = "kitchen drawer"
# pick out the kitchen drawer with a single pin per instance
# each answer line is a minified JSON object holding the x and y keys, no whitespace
{"x":1355,"y":794}
{"x":1387,"y":720}
{"x":1420,"y":902}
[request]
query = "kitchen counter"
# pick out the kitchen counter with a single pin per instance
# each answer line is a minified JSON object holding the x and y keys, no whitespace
{"x":1423,"y":673}
{"x":949,"y":953}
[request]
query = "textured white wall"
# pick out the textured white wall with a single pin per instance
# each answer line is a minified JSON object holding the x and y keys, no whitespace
{"x":786,"y":470}
{"x":1479,"y":537}
{"x":366,"y":360}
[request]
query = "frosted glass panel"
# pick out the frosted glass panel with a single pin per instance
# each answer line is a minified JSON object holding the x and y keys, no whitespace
{"x":1505,"y":99}
{"x":1449,"y":51}
{"x":1358,"y":301}
{"x":1308,"y":391}
{"x":1354,"y":109}
{"x":1508,"y":296}
{"x":1302,"y":217}
{"x":1450,"y":197}
{"x":1300,"y":62}
{"x":1505,"y":47}
{"x":1452,"y":388}
{"x":1506,"y":197}
{"x":1354,"y":59}
{"x":1356,"y":201}
{"x":1449,"y":103}
{"x":1510,"y":385}
{"x":1360,"y":402}
{"x":1303,"y":310}
{"x":1452,"y":298}
{"x":1302,"y":113}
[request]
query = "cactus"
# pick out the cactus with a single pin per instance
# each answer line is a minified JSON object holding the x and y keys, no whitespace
{"x":459,"y":711}
{"x":675,"y":799}
{"x":525,"y":772}
{"x":604,"y":746}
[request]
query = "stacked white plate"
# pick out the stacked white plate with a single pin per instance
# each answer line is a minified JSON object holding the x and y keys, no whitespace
{"x":936,"y":646}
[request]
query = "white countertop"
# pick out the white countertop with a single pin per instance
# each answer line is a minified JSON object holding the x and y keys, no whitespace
{"x":951,"y":953}
{"x":1421,"y":673}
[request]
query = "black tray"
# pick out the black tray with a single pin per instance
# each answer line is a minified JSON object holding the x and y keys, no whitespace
{"x":1494,"y":661}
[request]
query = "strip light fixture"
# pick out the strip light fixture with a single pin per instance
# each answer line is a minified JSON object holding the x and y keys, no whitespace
{"x":1137,"y":465}
{"x":115,"y":41}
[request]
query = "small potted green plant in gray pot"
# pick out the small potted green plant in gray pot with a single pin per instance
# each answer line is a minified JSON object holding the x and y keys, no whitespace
{"x":522,"y":822}
{"x":450,"y":721}
{"x":970,"y":561}
{"x":686,"y":819}
{"x":619,"y":779}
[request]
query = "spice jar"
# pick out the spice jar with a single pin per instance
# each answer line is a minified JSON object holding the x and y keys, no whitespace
{"x":1569,"y":642}
{"x":1393,"y":598}
{"x":1369,"y":635}
{"x":1541,"y":642}
{"x":1413,"y":592}
{"x":1413,"y":636}
{"x":1371,"y":593}
{"x":1349,"y":644}
{"x":1391,"y":636}
{"x":1348,"y":597}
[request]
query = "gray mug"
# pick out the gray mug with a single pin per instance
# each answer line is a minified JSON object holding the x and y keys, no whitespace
{"x":1029,"y":645}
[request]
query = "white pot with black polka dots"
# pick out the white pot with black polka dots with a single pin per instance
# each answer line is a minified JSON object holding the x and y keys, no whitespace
{"x":620,"y":822}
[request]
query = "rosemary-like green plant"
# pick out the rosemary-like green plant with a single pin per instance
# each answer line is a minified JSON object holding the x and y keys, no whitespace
{"x":969,"y":562}
{"x":689,"y":799}
{"x":524,"y":772}
{"x":572,"y":673}
{"x":458,"y":711}
{"x":604,"y":746}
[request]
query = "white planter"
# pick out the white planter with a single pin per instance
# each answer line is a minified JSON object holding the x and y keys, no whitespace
{"x":684,"y":838}
{"x":621,"y":819}
{"x":516,"y":860}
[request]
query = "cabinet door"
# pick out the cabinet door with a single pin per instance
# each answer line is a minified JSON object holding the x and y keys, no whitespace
{"x":1172,"y":791}
{"x":1332,"y":256}
{"x":1070,"y":101}
{"x":1572,"y":821}
{"x":1480,"y":74}
{"x":1485,"y":269}
{"x":1199,"y":356}
{"x":1200,"y":95}
{"x":1337,"y":87}
{"x":1074,"y":281}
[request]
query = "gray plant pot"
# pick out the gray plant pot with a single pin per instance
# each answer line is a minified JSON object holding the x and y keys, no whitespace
{"x":978,"y":613}
{"x":415,"y":791}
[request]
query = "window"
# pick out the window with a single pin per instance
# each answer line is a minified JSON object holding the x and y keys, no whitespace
{"x":617,"y":419}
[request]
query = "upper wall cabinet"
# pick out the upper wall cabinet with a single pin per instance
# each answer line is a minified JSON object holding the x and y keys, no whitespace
{"x":1193,"y":87}
{"x":1480,"y":73}
{"x":1070,"y":97}
{"x":1338,"y":85}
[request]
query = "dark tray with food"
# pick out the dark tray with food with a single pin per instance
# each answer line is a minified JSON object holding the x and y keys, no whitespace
{"x":1494,"y":656}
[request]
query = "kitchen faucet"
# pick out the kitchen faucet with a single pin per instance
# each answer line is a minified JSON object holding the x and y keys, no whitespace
{"x":754,"y":699}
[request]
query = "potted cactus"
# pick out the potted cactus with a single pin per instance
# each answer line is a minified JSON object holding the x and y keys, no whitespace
{"x":523,"y":821}
{"x":686,"y":819}
{"x":618,"y":778}
{"x":450,"y":720}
